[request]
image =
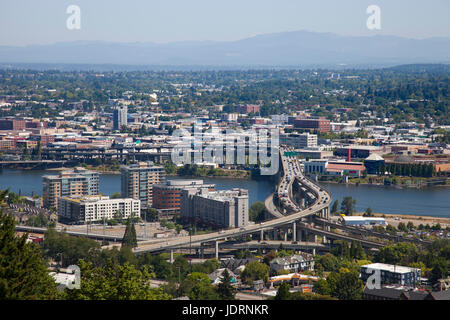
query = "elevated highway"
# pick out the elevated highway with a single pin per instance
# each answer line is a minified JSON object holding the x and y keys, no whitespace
{"x":321,"y":205}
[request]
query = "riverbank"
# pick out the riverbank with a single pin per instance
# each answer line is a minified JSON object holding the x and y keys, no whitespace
{"x":402,"y":182}
{"x":416,"y":220}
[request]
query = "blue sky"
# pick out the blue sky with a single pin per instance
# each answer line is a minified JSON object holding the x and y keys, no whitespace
{"x":25,"y":22}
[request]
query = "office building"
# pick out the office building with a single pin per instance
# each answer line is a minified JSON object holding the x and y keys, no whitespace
{"x":12,"y":124}
{"x":137,"y":181}
{"x":224,"y":208}
{"x":167,"y":196}
{"x":299,"y":141}
{"x":319,"y":124}
{"x":392,"y":274}
{"x":78,"y":182}
{"x":84,"y":209}
{"x":120,"y":117}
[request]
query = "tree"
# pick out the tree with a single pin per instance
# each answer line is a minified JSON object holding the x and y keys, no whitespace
{"x":197,"y":286}
{"x":257,"y":211}
{"x":129,"y":238}
{"x":402,"y":227}
{"x":283,"y":292}
{"x":334,"y":208}
{"x":116,"y":195}
{"x":225,"y":289}
{"x":348,"y":286}
{"x":114,"y":282}
{"x":272,"y":254}
{"x":152,"y":215}
{"x":347,"y":205}
{"x":255,"y":271}
{"x":368,"y":212}
{"x":23,"y":273}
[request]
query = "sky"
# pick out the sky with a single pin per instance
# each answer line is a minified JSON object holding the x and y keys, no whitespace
{"x":25,"y":22}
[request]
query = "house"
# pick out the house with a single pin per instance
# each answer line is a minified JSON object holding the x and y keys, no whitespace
{"x":236,"y":264}
{"x":393,"y":293}
{"x":294,"y":263}
{"x":216,"y":276}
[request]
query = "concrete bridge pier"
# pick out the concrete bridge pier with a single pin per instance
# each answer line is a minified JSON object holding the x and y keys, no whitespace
{"x":171,"y":256}
{"x":275,"y":234}
{"x":216,"y":249}
{"x":261,"y":235}
{"x":285,"y":231}
{"x":294,"y":231}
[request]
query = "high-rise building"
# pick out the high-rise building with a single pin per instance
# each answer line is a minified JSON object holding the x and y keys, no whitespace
{"x":167,"y":196}
{"x":96,"y":208}
{"x":224,"y":208}
{"x":137,"y":181}
{"x":68,"y":184}
{"x":120,"y":117}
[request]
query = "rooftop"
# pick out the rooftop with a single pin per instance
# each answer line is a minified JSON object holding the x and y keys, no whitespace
{"x":390,"y":268}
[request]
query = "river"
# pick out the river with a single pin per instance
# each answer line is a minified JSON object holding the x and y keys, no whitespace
{"x":433,"y":201}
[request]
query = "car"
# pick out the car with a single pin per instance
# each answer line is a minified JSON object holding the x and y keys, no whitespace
{"x":221,"y":231}
{"x":261,"y":223}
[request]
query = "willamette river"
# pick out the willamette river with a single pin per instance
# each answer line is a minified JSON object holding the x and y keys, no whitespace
{"x":430,"y":201}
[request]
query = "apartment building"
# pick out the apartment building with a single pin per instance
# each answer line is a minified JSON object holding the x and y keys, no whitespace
{"x":77,"y":182}
{"x":167,"y":196}
{"x":137,"y":181}
{"x":224,"y":208}
{"x":84,"y":209}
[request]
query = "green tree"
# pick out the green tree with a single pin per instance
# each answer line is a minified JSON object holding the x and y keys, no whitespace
{"x":114,"y":282}
{"x":334,"y":208}
{"x":257,"y":212}
{"x":348,"y":205}
{"x":255,"y":271}
{"x":129,"y":238}
{"x":348,"y":286}
{"x":116,"y":195}
{"x":225,"y":289}
{"x":283,"y":292}
{"x":23,"y":273}
{"x":197,"y":286}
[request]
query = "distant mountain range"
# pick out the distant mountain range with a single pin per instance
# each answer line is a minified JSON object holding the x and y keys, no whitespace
{"x":299,"y":48}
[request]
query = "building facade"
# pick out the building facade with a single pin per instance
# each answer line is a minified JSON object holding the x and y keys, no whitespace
{"x":78,"y":182}
{"x":225,"y":208}
{"x":137,"y":181}
{"x":167,"y":196}
{"x":96,"y":208}
{"x":299,"y":141}
{"x":120,"y":117}
{"x":392,"y":274}
{"x":319,"y":124}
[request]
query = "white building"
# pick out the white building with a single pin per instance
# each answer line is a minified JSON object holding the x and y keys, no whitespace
{"x":299,"y":141}
{"x":361,"y":221}
{"x":96,"y":208}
